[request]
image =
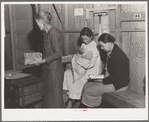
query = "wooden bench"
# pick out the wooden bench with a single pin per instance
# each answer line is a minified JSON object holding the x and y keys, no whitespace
{"x":126,"y":99}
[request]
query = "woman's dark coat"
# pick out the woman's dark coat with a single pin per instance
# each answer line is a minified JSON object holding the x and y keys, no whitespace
{"x":118,"y":68}
{"x":53,"y":71}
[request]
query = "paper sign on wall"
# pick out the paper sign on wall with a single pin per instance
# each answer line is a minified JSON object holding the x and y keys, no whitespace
{"x":78,"y":12}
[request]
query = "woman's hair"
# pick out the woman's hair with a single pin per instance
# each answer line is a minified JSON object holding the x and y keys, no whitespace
{"x":105,"y":37}
{"x":85,"y":32}
{"x":44,"y":16}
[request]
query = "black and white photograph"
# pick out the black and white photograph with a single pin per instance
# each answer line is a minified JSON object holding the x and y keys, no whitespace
{"x":74,"y":60}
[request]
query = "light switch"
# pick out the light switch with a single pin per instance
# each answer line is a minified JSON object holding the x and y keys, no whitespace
{"x":137,"y":15}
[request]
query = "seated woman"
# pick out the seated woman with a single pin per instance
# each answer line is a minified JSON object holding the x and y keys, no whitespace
{"x":81,"y":61}
{"x":86,"y":62}
{"x":116,"y":75}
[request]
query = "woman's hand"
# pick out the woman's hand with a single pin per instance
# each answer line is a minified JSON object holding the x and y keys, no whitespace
{"x":38,"y":62}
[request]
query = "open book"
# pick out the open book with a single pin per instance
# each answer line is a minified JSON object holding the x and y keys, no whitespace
{"x":31,"y":57}
{"x":96,"y":77}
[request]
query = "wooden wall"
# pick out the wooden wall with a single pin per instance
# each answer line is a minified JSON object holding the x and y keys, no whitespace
{"x":21,"y":25}
{"x":21,"y":21}
{"x":130,"y":37}
{"x":18,"y":23}
{"x":72,"y":26}
{"x":55,"y":20}
{"x":131,"y":42}
{"x":76,"y":23}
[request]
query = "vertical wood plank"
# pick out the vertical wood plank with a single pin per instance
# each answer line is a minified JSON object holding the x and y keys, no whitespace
{"x":133,"y":44}
{"x":62,"y":15}
{"x":90,"y":21}
{"x":13,"y":41}
{"x":140,"y":57}
{"x":126,"y":38}
{"x":73,"y":38}
{"x":96,"y":27}
{"x":118,"y":26}
{"x":82,"y":18}
{"x":7,"y":18}
{"x":8,"y":49}
{"x":70,"y":16}
{"x":133,"y":65}
{"x":8,"y":53}
{"x":105,"y":24}
{"x":112,"y":21}
{"x":71,"y":25}
{"x":90,"y":6}
{"x":137,"y":61}
{"x":66,"y":35}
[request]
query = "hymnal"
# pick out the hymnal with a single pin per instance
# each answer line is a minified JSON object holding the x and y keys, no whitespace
{"x":96,"y":76}
{"x":31,"y":57}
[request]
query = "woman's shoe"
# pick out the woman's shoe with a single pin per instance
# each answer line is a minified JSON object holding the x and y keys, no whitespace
{"x":76,"y":103}
{"x":82,"y":105}
{"x":71,"y":103}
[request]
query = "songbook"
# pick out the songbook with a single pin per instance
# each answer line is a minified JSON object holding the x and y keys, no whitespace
{"x":92,"y":76}
{"x":31,"y":57}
